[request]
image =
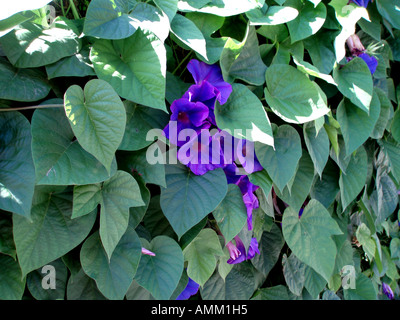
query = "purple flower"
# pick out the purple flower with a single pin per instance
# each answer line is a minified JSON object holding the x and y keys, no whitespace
{"x":301,"y":212}
{"x":249,"y":162}
{"x":202,"y":153}
{"x":371,"y":61}
{"x":251,"y":202}
{"x":202,"y":71}
{"x":361,"y":3}
{"x":253,"y":249}
{"x":205,"y":93}
{"x":148,"y":252}
{"x":387,"y":290}
{"x":237,"y":252}
{"x":188,"y":115}
{"x":357,"y":50}
{"x":191,"y":289}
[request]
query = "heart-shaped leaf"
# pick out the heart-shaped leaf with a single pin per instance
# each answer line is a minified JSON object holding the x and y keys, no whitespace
{"x":160,"y":273}
{"x":97,"y":117}
{"x":188,"y":198}
{"x":113,"y":276}
{"x":17,"y":174}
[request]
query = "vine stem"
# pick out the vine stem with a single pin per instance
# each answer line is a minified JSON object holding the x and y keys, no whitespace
{"x":74,"y":10}
{"x":182,"y":61}
{"x":33,"y":107}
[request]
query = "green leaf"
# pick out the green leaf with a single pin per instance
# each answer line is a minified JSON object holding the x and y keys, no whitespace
{"x":95,"y":115}
{"x":139,"y":121}
{"x":281,"y":162}
{"x":308,"y":68}
{"x":30,"y":45}
{"x":279,"y":292}
{"x":363,"y":235}
{"x":113,"y":276}
{"x":300,"y":185}
{"x":326,"y":188}
{"x":187,"y":32}
{"x":160,"y":274}
{"x":383,"y":120}
{"x":352,"y":182}
{"x":168,"y":6}
{"x":390,"y":11}
{"x":317,"y":145}
{"x":12,"y":281}
{"x":270,"y":246}
{"x":309,"y":20}
{"x":81,"y":287}
{"x":250,"y":123}
{"x":274,"y":15}
{"x":355,"y":124}
{"x":309,"y":237}
{"x":231,"y":213}
{"x":261,"y":179}
{"x":86,"y":199}
{"x":395,"y":126}
{"x":77,"y":65}
{"x":137,"y":162}
{"x":17,"y":174}
{"x":364,"y":289}
{"x":120,"y":19}
{"x":22,"y":84}
{"x":391,"y":149}
{"x":200,"y":254}
{"x":109,"y":19}
{"x":188,"y":198}
{"x":58,"y":158}
{"x":35,"y":278}
{"x":294,"y":273}
{"x":118,"y":194}
{"x":239,"y":284}
{"x":135,"y":67}
{"x":7,"y":245}
{"x":355,"y":82}
{"x":242,"y":60}
{"x":51,"y":233}
{"x":292,"y":96}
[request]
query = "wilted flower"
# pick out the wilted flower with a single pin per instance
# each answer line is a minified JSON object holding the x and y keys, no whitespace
{"x":387,"y":290}
{"x":148,"y":252}
{"x":191,"y":289}
{"x":357,"y":50}
{"x":238,"y":252}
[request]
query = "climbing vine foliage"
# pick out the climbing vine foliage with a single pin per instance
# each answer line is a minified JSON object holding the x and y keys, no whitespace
{"x":208,"y":150}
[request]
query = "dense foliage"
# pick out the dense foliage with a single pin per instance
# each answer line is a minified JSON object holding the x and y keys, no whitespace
{"x":102,"y":103}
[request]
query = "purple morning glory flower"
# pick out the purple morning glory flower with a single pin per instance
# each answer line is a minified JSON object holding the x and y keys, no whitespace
{"x":191,"y":289}
{"x":361,"y":3}
{"x":371,"y":61}
{"x":301,"y":212}
{"x":387,"y":290}
{"x":202,"y":71}
{"x":249,"y":162}
{"x":237,"y":252}
{"x":253,"y":249}
{"x":205,"y":93}
{"x":251,"y":202}
{"x":202,"y":153}
{"x":188,"y":115}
